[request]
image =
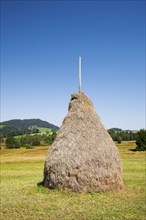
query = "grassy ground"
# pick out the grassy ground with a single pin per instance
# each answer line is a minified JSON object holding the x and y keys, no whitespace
{"x":43,"y":130}
{"x":22,"y":169}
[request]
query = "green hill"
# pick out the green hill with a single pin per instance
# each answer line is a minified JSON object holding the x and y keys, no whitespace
{"x":115,"y":129}
{"x":26,"y":126}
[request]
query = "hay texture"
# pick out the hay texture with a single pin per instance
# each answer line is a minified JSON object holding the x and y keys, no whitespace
{"x":83,"y":158}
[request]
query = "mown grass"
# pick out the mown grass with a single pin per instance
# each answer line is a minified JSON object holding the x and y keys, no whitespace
{"x":22,"y":169}
{"x":43,"y":130}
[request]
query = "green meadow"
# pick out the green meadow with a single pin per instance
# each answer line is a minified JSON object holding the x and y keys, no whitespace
{"x":22,"y":169}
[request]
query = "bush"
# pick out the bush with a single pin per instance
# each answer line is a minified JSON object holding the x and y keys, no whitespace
{"x":141,"y":140}
{"x":119,"y":139}
{"x":12,"y":142}
{"x":36,"y":140}
{"x":28,"y":146}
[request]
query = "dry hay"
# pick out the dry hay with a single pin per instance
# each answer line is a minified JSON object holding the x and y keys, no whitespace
{"x":83,"y":158}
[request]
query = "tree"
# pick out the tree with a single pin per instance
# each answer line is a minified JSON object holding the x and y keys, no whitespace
{"x":1,"y":139}
{"x":27,"y":139}
{"x":54,"y":134}
{"x":36,"y":140}
{"x":141,"y":140}
{"x":11,"y":142}
{"x":119,"y":139}
{"x":49,"y":138}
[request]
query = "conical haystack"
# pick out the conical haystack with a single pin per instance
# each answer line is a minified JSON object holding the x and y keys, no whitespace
{"x":83,"y":158}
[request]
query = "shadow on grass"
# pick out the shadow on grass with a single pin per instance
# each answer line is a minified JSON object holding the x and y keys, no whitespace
{"x":134,"y":150}
{"x":40,"y":184}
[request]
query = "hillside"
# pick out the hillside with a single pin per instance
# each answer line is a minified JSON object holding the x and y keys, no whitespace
{"x":26,"y":126}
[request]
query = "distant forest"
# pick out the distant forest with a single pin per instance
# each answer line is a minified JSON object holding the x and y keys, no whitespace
{"x":17,"y":127}
{"x":35,"y":132}
{"x":119,"y":135}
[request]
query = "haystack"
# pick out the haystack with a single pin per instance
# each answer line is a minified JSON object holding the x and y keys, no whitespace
{"x":83,"y":158}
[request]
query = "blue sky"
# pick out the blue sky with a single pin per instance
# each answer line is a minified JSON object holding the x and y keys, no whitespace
{"x":40,"y":45}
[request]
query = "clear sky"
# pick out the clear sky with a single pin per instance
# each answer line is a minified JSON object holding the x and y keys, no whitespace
{"x":40,"y":45}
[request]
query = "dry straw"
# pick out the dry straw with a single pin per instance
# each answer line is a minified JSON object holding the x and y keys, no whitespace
{"x":83,"y":158}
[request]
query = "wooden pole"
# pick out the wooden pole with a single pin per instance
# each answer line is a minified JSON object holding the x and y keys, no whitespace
{"x":79,"y":74}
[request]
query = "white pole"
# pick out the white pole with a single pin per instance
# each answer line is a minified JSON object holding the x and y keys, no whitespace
{"x":79,"y":74}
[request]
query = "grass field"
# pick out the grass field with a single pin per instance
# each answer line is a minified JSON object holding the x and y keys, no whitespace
{"x":22,"y":169}
{"x":44,"y":130}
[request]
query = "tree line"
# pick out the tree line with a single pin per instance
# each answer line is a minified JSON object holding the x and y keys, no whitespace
{"x":119,"y":135}
{"x":29,"y":141}
{"x":139,"y":137}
